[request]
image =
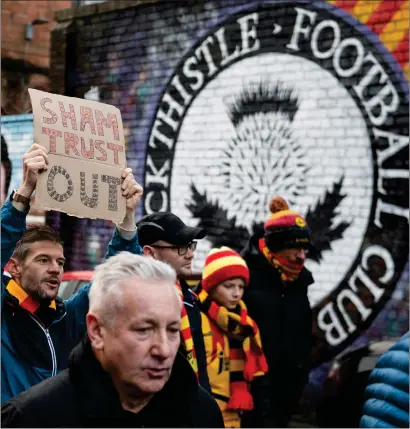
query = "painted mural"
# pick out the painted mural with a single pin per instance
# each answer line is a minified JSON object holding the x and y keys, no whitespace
{"x":298,"y":100}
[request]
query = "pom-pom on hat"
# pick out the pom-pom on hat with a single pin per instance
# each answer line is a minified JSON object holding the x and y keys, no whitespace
{"x":285,"y":228}
{"x":222,"y":264}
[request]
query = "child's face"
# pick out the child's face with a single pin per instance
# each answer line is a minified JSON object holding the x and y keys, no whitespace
{"x":228,"y":293}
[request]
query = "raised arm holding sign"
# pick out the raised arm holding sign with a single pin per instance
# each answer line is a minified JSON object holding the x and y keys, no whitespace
{"x":38,"y":329}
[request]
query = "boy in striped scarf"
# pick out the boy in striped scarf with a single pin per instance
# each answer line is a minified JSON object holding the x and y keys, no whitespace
{"x":232,"y":340}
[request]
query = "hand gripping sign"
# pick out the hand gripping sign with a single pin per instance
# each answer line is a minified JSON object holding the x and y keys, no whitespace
{"x":85,"y":144}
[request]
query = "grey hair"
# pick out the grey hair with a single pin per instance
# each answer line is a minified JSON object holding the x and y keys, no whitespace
{"x":105,"y":294}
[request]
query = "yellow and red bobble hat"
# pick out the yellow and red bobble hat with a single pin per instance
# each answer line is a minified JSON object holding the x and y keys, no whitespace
{"x":285,"y":228}
{"x":222,"y":264}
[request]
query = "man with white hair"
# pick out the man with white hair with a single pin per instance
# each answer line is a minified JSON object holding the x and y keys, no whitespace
{"x":127,"y":372}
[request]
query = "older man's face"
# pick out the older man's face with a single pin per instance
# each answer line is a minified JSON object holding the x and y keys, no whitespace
{"x":140,"y":348}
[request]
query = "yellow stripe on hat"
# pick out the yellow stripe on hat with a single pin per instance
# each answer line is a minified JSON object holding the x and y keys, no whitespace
{"x":283,"y":213}
{"x":222,"y":262}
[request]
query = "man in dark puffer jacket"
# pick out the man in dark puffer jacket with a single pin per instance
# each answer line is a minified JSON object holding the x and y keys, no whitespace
{"x":387,"y":394}
{"x":277,"y":299}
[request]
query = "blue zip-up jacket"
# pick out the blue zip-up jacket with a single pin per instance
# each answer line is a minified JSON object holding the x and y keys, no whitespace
{"x":387,"y":394}
{"x":32,"y":351}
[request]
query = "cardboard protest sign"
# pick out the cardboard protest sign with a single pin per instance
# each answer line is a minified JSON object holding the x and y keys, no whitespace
{"x":85,"y":143}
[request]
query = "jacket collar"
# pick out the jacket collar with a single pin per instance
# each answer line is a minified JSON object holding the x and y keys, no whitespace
{"x":99,"y":399}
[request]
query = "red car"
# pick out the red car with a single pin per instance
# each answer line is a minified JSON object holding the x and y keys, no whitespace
{"x":72,"y":281}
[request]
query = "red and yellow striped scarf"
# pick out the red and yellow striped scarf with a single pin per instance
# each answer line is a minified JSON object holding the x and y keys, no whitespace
{"x":289,"y":271}
{"x":186,"y":335}
{"x":25,"y":301}
{"x":246,"y":357}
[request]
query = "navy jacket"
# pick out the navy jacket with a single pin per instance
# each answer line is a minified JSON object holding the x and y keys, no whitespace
{"x":284,"y":318}
{"x":85,"y":396}
{"x":283,"y":315}
{"x":32,"y":351}
{"x":387,"y":394}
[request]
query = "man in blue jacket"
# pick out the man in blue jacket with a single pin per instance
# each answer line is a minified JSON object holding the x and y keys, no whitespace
{"x":387,"y":394}
{"x":38,"y":330}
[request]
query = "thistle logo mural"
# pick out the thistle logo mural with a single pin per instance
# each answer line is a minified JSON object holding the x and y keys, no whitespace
{"x":299,"y":100}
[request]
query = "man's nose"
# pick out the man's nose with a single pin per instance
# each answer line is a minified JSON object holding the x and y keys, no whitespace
{"x":301,"y":253}
{"x":161,"y":348}
{"x":189,"y":254}
{"x":237,"y":292}
{"x":54,"y":267}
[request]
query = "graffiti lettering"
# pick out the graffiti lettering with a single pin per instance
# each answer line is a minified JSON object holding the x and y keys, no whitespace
{"x":156,"y":201}
{"x":157,"y":176}
{"x":362,"y":276}
{"x":392,"y":144}
{"x":379,"y":105}
{"x":329,"y":323}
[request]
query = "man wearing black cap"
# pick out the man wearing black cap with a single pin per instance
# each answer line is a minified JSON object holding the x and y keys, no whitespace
{"x":165,"y":237}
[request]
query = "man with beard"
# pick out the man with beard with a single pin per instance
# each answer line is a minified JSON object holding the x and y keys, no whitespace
{"x":165,"y":237}
{"x":38,"y":330}
{"x":278,"y":302}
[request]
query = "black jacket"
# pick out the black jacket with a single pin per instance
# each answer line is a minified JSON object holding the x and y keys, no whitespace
{"x":284,"y":317}
{"x":283,"y":314}
{"x":195,"y":323}
{"x":84,"y":396}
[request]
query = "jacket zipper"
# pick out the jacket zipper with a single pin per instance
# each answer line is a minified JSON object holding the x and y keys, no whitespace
{"x":51,"y":345}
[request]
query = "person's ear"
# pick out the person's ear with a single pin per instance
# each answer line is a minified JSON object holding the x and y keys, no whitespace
{"x":94,"y":331}
{"x":14,"y":267}
{"x":148,"y":251}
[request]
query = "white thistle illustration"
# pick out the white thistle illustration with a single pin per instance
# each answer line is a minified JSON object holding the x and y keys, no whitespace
{"x":263,"y":159}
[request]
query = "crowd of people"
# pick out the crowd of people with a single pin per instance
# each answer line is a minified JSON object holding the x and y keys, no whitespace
{"x":138,"y":347}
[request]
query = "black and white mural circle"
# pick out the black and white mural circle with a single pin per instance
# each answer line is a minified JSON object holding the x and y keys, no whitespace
{"x":297,"y":100}
{"x":282,"y":135}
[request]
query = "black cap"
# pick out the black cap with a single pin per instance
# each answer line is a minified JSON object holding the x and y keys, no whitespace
{"x":167,"y":227}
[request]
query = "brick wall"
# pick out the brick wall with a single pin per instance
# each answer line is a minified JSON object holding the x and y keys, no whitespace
{"x":15,"y":15}
{"x":228,"y":103}
{"x":25,"y":63}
